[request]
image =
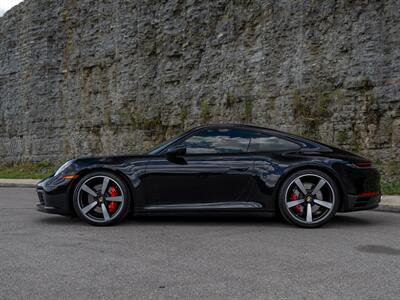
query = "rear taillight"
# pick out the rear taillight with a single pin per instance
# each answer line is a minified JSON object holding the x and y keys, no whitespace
{"x":363,"y":164}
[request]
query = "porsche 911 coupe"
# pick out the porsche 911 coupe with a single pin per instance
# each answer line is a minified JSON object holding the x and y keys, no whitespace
{"x":217,"y":169}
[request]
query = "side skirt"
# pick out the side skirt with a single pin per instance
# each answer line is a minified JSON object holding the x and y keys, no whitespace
{"x":206,"y":206}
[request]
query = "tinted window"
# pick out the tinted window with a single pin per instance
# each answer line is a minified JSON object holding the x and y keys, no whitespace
{"x":267,"y":143}
{"x":217,"y":141}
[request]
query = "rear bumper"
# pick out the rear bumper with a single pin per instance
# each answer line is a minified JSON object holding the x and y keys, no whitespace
{"x":361,"y":187}
{"x":355,"y":203}
{"x":53,"y":198}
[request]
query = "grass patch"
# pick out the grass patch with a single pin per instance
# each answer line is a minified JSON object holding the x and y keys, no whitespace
{"x":391,"y":187}
{"x":30,"y":170}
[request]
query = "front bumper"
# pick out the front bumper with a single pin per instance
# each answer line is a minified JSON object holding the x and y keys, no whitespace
{"x":53,"y":196}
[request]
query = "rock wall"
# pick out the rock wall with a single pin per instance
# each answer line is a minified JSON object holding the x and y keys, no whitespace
{"x":114,"y":76}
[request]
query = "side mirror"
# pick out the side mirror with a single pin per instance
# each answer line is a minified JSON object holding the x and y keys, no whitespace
{"x":176,"y":151}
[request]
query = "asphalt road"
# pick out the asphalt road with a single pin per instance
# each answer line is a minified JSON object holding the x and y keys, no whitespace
{"x":357,"y":256}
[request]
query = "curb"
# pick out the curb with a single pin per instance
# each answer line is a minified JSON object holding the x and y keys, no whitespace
{"x":388,"y":208}
{"x":19,"y":185}
{"x":389,"y":203}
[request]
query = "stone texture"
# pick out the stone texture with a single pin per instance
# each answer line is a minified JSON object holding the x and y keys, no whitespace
{"x":106,"y":77}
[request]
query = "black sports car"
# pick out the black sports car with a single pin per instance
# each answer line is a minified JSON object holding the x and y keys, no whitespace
{"x":214,"y":169}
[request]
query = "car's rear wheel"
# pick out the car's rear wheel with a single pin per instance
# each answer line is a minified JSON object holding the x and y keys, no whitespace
{"x":101,"y":198}
{"x":308,"y":198}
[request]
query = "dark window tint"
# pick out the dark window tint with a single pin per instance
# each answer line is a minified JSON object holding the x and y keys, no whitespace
{"x":217,"y":141}
{"x":267,"y":143}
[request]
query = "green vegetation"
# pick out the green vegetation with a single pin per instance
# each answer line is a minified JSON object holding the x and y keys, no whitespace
{"x":356,"y":141}
{"x":205,"y":113}
{"x":151,"y":124}
{"x":341,"y":137}
{"x":390,"y":182}
{"x":27,"y":170}
{"x":312,"y":110}
{"x":184,"y":115}
{"x":153,"y":127}
{"x":391,"y":187}
{"x":248,"y":111}
{"x":271,"y":102}
{"x":305,"y":114}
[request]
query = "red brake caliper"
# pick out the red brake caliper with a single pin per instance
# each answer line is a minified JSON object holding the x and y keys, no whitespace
{"x":297,"y":208}
{"x":112,"y":206}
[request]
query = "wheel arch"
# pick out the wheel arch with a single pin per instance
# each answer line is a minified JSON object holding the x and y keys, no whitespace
{"x":330,"y":172}
{"x":84,"y":172}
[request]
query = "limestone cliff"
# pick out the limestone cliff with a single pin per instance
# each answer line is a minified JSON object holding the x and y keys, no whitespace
{"x":117,"y":76}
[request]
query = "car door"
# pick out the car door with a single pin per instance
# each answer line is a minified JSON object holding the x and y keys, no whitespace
{"x":214,"y":173}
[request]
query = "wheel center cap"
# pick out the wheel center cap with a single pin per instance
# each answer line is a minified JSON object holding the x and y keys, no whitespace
{"x":101,"y":199}
{"x":309,"y":198}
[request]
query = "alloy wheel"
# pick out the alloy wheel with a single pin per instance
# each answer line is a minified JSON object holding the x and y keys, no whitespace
{"x":100,"y":199}
{"x":310,"y":198}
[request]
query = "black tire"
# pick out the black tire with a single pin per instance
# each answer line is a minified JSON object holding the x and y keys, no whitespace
{"x":80,"y":194}
{"x":324,"y":211}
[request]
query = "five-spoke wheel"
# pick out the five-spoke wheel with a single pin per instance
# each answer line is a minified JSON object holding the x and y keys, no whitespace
{"x":101,"y":198}
{"x":308,"y":198}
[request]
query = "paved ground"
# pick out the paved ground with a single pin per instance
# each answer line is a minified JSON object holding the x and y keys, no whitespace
{"x":357,"y":256}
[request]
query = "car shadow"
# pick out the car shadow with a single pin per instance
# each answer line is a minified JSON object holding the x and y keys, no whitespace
{"x":378,"y":249}
{"x":214,"y":220}
{"x":201,"y":220}
{"x":243,"y":220}
{"x":172,"y":220}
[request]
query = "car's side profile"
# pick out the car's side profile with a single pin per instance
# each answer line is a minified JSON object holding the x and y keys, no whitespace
{"x":219,"y":169}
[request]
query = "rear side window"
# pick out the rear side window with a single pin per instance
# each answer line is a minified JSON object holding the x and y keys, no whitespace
{"x":268,"y":143}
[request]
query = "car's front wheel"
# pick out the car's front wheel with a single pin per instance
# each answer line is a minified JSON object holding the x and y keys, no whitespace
{"x":308,"y":198}
{"x":101,"y":198}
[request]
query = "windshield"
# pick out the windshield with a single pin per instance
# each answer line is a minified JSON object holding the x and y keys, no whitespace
{"x":164,"y":145}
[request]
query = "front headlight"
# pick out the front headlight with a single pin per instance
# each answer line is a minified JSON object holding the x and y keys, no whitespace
{"x":63,"y":167}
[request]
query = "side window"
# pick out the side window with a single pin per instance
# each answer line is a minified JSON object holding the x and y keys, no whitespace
{"x":268,"y":143}
{"x":212,"y":141}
